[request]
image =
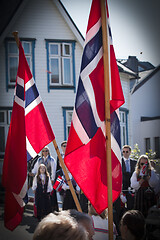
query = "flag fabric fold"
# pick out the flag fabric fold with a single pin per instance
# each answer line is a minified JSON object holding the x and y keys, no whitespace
{"x":85,"y":154}
{"x":28,"y":133}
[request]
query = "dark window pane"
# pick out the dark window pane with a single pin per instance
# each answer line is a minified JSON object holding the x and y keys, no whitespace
{"x":54,"y":70}
{"x":2,"y":137}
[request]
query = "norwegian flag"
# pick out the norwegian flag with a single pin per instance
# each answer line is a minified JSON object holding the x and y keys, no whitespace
{"x":29,"y":132}
{"x":85,"y":155}
{"x":145,"y":168}
{"x":58,"y":184}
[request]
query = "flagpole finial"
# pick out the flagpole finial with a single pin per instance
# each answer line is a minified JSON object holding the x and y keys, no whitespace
{"x":15,"y":34}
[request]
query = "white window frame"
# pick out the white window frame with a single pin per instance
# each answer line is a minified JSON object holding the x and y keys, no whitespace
{"x":63,"y":49}
{"x":71,"y":83}
{"x":55,"y":84}
{"x":16,"y":55}
{"x":28,"y":55}
{"x":5,"y":124}
{"x":61,"y":56}
{"x":68,"y":121}
{"x":123,"y":127}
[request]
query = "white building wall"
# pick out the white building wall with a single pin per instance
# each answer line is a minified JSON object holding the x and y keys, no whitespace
{"x":149,"y":129}
{"x":125,"y":81}
{"x":145,"y":103}
{"x":42,"y":20}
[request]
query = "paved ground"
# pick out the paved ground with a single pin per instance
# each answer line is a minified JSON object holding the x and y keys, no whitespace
{"x":24,"y":231}
{"x":26,"y":228}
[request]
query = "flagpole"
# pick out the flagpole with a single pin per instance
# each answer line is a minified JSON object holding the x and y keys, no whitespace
{"x":67,"y":176}
{"x":15,"y":34}
{"x":107,"y":117}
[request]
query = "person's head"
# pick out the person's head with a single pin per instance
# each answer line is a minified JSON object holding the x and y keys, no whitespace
{"x":63,"y":146}
{"x":126,"y":150}
{"x":143,"y":159}
{"x":92,"y":211}
{"x":83,"y":219}
{"x":45,"y":152}
{"x":132,"y":225}
{"x":61,"y":227}
{"x":42,"y":170}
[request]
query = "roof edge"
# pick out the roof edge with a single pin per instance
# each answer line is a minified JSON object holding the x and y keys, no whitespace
{"x":69,"y":21}
{"x":136,"y":87}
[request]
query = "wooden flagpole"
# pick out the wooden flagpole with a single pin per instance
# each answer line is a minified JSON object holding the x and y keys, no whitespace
{"x":67,"y":177}
{"x":15,"y":34}
{"x":107,"y":116}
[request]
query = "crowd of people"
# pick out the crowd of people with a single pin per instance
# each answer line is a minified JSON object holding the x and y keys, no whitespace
{"x":140,"y":191}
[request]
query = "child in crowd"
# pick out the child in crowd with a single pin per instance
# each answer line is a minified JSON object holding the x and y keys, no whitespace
{"x":42,"y":188}
{"x":100,"y":224}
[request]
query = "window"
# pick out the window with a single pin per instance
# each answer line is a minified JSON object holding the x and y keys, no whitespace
{"x":123,"y":127}
{"x":67,"y":114}
{"x":12,"y":57}
{"x":157,"y":146}
{"x":60,"y":64}
{"x":147,"y":144}
{"x":5,"y":117}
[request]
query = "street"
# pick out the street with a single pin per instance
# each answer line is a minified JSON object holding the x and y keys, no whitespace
{"x":24,"y":231}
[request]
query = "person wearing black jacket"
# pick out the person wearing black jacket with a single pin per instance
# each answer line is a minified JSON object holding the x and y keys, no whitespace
{"x":128,"y":167}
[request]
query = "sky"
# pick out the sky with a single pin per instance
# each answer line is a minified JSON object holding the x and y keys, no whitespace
{"x":135,"y":26}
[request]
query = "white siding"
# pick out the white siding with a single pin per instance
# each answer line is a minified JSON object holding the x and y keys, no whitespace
{"x":145,"y":103}
{"x":42,"y":20}
{"x":125,"y":81}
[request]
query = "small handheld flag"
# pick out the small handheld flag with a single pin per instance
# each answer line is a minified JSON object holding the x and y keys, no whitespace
{"x":58,"y":184}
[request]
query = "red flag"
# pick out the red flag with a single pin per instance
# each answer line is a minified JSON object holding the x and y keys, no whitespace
{"x":29,"y":132}
{"x":85,"y":155}
{"x":58,"y":184}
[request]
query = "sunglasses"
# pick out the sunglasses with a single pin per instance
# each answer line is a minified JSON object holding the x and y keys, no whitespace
{"x":45,"y":151}
{"x":142,"y":164}
{"x":125,"y":152}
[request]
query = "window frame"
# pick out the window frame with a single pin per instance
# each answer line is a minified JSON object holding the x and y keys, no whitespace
{"x":147,"y":144}
{"x":124,"y":125}
{"x":7,"y":118}
{"x":157,"y":146}
{"x":62,"y":56}
{"x":66,"y":110}
{"x":8,"y":55}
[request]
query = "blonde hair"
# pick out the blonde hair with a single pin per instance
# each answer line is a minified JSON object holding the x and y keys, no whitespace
{"x":59,"y":227}
{"x":138,"y":167}
{"x":46,"y":147}
{"x":92,"y":211}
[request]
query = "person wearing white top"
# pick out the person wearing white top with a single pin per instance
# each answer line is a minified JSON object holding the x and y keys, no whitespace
{"x":144,"y":180}
{"x":51,"y":166}
{"x":48,"y":161}
{"x":42,"y":188}
{"x":100,"y":224}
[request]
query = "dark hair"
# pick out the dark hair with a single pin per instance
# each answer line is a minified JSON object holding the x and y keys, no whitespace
{"x":135,"y":222}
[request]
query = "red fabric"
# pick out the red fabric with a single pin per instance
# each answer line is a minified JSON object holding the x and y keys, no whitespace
{"x":58,"y":184}
{"x":88,"y":165}
{"x":87,"y":160}
{"x":36,"y":127}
